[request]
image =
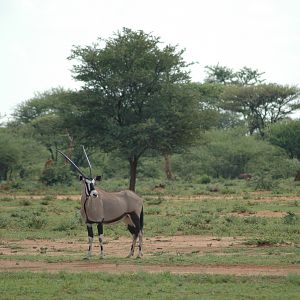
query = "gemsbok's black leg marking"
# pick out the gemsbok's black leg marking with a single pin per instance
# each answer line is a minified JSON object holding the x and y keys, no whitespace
{"x":135,"y":230}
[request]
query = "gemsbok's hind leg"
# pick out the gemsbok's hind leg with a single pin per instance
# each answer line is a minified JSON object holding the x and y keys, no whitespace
{"x":100,"y":234}
{"x":140,"y":244}
{"x":134,"y":230}
{"x":89,"y":227}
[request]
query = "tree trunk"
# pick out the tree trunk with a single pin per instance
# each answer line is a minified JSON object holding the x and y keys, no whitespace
{"x":168,"y":169}
{"x":297,"y":177}
{"x":133,"y":161}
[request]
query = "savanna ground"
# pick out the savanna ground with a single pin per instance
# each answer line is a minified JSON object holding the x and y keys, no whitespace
{"x":225,"y":243}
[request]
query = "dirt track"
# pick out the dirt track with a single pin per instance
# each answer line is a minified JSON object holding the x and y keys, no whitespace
{"x":119,"y":248}
{"x":125,"y":268}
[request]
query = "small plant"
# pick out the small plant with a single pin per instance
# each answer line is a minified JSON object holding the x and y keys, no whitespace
{"x":4,"y":221}
{"x":263,"y":181}
{"x":246,"y":196}
{"x":241,"y":209}
{"x":290,"y":218}
{"x":205,"y":179}
{"x":69,"y":224}
{"x":36,"y":222}
{"x":25,"y":202}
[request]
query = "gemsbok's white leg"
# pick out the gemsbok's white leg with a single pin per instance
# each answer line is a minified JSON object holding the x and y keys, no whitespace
{"x":140,"y":244}
{"x":100,"y":234}
{"x":90,"y":240}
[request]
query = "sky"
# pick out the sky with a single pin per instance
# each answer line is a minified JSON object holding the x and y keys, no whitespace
{"x":37,"y":37}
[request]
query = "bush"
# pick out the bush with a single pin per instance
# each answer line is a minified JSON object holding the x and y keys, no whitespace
{"x":56,"y":175}
{"x":205,"y":179}
{"x":4,"y":221}
{"x":36,"y":222}
{"x":262,"y":181}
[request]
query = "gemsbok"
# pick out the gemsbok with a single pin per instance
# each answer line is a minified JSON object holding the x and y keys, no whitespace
{"x":101,"y":207}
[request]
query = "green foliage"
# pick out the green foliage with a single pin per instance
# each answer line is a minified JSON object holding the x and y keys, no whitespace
{"x":56,"y":174}
{"x":226,"y":154}
{"x":262,"y":181}
{"x":291,"y":218}
{"x":20,"y":157}
{"x":135,"y":94}
{"x":30,"y":219}
{"x":9,"y":154}
{"x":286,"y":134}
{"x":4,"y":221}
{"x":69,"y":223}
{"x":39,"y":118}
{"x":225,"y":75}
{"x":262,"y":104}
{"x":205,"y":179}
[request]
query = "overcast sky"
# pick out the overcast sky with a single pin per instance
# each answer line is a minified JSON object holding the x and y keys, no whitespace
{"x":37,"y":37}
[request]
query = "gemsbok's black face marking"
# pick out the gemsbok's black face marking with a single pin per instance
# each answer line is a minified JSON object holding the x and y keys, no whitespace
{"x":89,"y":183}
{"x":90,"y":190}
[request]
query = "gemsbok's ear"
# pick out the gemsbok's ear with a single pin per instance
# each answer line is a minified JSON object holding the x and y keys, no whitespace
{"x":98,"y":178}
{"x":80,"y":177}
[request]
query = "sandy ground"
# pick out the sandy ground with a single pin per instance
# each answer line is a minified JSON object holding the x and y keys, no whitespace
{"x":119,"y":248}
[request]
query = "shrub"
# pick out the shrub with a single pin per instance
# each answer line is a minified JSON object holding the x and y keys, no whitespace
{"x":4,"y":221}
{"x":70,"y":223}
{"x":56,"y":175}
{"x":290,"y":218}
{"x":205,"y":179}
{"x":36,"y":222}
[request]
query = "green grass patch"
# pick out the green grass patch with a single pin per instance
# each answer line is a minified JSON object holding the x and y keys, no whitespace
{"x":27,"y":285}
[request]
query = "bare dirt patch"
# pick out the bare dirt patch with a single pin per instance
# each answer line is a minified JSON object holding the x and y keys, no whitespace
{"x":129,"y":268}
{"x":262,"y":214}
{"x":120,"y":247}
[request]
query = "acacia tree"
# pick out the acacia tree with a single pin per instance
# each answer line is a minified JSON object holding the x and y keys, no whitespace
{"x":129,"y":101}
{"x":225,"y":75}
{"x":286,"y":134}
{"x":39,"y":117}
{"x":261,"y":104}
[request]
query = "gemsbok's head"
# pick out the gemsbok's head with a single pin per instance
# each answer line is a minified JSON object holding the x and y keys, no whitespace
{"x":89,"y":182}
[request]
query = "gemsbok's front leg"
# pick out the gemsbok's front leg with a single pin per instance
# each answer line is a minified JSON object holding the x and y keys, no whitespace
{"x":100,"y":234}
{"x":89,"y":227}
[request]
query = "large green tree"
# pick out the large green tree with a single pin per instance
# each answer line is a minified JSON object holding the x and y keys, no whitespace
{"x":286,"y":134}
{"x":39,"y":117}
{"x":133,"y":98}
{"x":261,"y":104}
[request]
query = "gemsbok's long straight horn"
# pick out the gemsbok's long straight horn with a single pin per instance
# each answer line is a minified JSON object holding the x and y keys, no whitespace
{"x":90,"y":166}
{"x":67,"y":158}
